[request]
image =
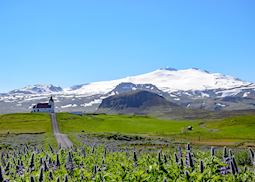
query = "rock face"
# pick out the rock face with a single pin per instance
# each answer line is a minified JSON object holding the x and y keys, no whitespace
{"x":134,"y":102}
{"x":130,"y":87}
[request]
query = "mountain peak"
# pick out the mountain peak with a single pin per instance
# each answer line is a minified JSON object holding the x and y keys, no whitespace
{"x":168,"y":69}
{"x":37,"y":89}
{"x":201,"y":70}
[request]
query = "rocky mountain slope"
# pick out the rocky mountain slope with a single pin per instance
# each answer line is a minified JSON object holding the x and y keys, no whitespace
{"x":136,"y":102}
{"x":191,"y":88}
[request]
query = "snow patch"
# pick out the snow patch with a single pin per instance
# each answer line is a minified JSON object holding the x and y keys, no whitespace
{"x":69,"y":105}
{"x":97,"y":101}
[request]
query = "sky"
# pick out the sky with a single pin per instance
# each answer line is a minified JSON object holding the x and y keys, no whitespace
{"x":65,"y":42}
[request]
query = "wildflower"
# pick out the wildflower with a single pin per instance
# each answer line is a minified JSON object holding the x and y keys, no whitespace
{"x":235,"y":164}
{"x":32,"y":179}
{"x":50,"y":175}
{"x":45,"y":166}
{"x":159,"y":157}
{"x":188,"y":147}
{"x":225,"y":154}
{"x":201,"y":166}
{"x":32,"y":162}
{"x":187,"y":175}
{"x":1,"y":175}
{"x":41,"y":175}
{"x":176,"y":158}
{"x":189,"y":160}
{"x":232,"y":167}
{"x":135,"y":158}
{"x":252,"y":155}
{"x":212,"y":151}
{"x":179,"y":152}
{"x":57,"y":161}
{"x":165,"y":159}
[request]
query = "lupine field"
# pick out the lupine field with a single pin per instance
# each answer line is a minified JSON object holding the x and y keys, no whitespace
{"x":100,"y":163}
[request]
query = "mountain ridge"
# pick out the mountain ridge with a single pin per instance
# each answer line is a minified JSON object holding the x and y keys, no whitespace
{"x":191,"y":88}
{"x":166,"y":79}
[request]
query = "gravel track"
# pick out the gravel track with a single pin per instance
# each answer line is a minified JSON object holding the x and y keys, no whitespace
{"x":62,"y":140}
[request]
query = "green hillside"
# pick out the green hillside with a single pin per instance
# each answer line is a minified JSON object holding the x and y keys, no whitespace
{"x":25,"y":128}
{"x":36,"y":128}
{"x":235,"y":130}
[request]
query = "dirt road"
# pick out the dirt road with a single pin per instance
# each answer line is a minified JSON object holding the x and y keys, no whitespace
{"x":62,"y":139}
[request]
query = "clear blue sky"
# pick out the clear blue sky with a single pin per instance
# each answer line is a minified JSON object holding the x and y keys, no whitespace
{"x":67,"y":42}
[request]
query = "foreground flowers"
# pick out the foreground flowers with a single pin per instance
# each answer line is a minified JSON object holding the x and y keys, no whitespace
{"x":100,"y":163}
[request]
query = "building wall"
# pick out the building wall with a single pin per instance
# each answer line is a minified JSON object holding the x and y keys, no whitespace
{"x":43,"y":110}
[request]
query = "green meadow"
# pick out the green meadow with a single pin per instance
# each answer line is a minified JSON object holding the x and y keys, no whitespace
{"x":26,"y":128}
{"x":230,"y":131}
{"x":36,"y":128}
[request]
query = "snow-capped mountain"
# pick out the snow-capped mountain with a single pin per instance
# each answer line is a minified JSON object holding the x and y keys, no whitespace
{"x":167,"y":80}
{"x":130,"y":87}
{"x":37,"y":89}
{"x":190,"y":88}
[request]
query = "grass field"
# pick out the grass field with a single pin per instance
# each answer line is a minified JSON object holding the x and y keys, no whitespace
{"x":36,"y":128}
{"x":26,"y":128}
{"x":229,"y":131}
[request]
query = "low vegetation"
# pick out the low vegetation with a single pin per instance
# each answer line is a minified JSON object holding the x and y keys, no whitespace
{"x":33,"y":161}
{"x":100,"y":163}
{"x":230,"y":131}
{"x":25,"y":128}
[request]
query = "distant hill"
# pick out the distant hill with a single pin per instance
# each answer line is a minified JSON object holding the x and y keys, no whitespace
{"x":137,"y":102}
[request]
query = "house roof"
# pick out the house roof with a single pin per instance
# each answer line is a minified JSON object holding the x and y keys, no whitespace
{"x":43,"y":105}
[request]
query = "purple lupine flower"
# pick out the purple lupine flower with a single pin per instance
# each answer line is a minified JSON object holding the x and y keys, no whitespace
{"x":188,"y":147}
{"x":189,"y":160}
{"x":1,"y":175}
{"x":50,"y":176}
{"x":32,"y":179}
{"x":232,"y":167}
{"x":225,"y":154}
{"x":212,"y":151}
{"x":45,"y":166}
{"x":176,"y":158}
{"x":135,"y":159}
{"x":94,"y":170}
{"x":179,"y":152}
{"x":181,"y":163}
{"x":57,"y":161}
{"x":40,"y":179}
{"x":230,"y":153}
{"x":225,"y":170}
{"x":251,"y":153}
{"x":66,"y":178}
{"x":165,"y":158}
{"x":201,"y":167}
{"x":32,"y":162}
{"x":187,"y":175}
{"x":159,"y":157}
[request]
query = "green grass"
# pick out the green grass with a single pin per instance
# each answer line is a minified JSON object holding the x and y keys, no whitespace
{"x":13,"y":125}
{"x":241,"y":127}
{"x":121,"y":124}
{"x":229,"y":130}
